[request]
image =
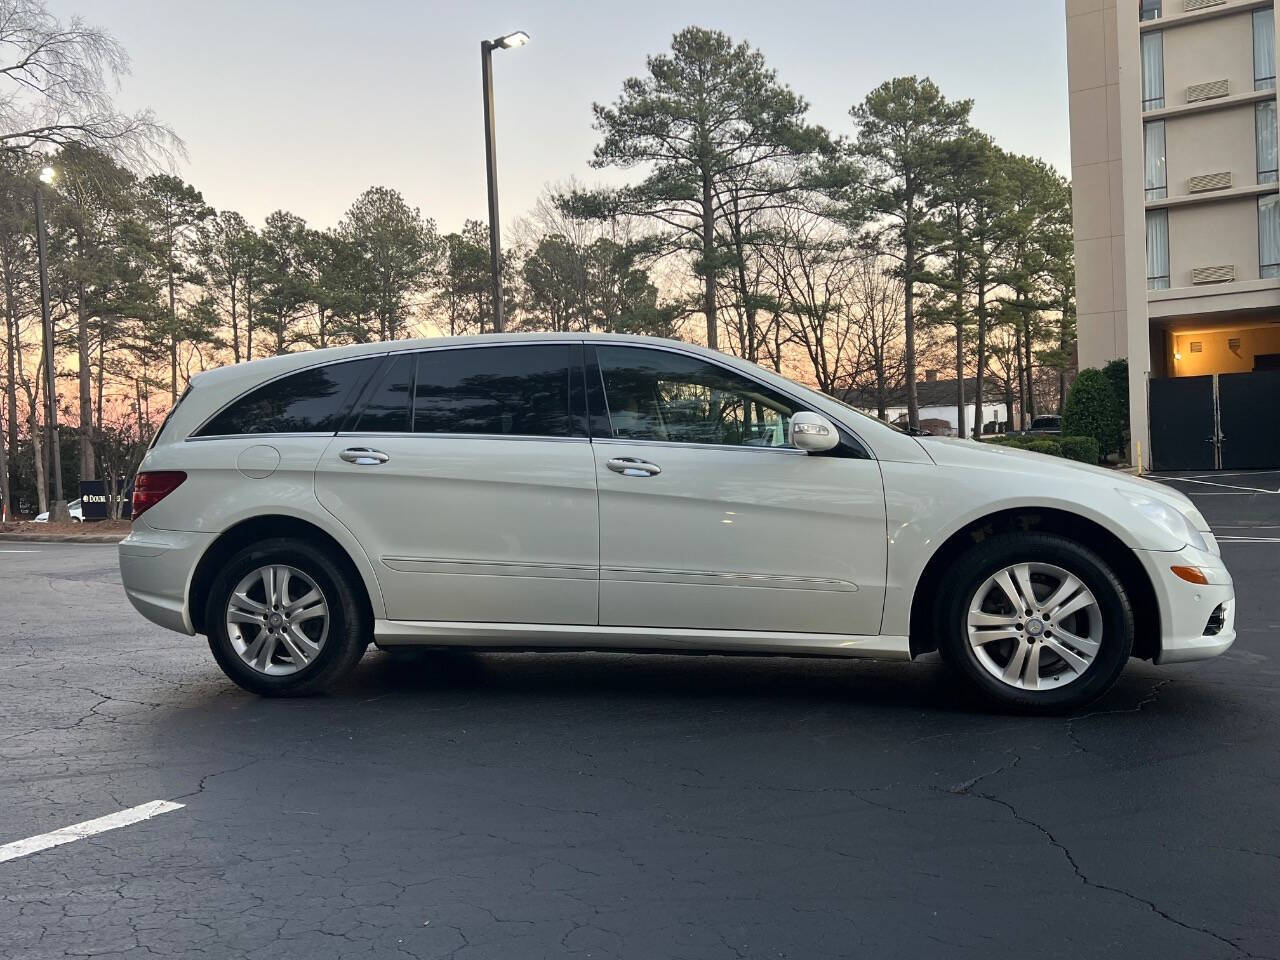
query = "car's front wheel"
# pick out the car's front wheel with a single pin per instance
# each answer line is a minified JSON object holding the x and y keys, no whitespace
{"x":1035,"y":621}
{"x":284,"y":620}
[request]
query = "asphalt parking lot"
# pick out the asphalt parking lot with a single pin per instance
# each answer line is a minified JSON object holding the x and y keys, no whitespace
{"x":517,"y":805}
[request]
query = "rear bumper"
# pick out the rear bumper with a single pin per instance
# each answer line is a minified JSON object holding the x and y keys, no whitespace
{"x":156,"y":568}
{"x":1186,"y":608}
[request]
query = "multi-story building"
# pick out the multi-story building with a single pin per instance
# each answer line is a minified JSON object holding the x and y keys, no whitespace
{"x":1177,"y":217}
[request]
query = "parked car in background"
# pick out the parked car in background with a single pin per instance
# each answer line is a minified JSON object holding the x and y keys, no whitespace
{"x":628,"y":493}
{"x":1046,"y":426}
{"x":75,"y":508}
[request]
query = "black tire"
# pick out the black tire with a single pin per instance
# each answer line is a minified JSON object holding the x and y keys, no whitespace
{"x":970,"y":571}
{"x":348,"y":629}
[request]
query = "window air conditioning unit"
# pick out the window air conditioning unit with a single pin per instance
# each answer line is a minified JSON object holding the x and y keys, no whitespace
{"x":1222,"y":274}
{"x":1207,"y":91}
{"x":1206,"y":182}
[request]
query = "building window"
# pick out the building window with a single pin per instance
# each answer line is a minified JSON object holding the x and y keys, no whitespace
{"x":1264,"y":49}
{"x":1153,"y":70}
{"x":1157,"y":249}
{"x":1157,"y":184}
{"x":1269,"y":236}
{"x":1149,"y":9}
{"x":1264,"y":125}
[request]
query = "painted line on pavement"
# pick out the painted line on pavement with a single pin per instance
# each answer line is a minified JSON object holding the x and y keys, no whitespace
{"x":1206,"y":476}
{"x":19,"y":551}
{"x":1225,"y":486}
{"x":1249,"y":539}
{"x":78,"y":831}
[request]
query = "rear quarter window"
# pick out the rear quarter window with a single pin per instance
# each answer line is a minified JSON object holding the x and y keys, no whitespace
{"x":310,"y":401}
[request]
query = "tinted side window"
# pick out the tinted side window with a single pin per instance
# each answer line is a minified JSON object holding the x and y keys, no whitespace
{"x":503,"y":390}
{"x":311,"y":401}
{"x":387,"y":410}
{"x":657,"y":395}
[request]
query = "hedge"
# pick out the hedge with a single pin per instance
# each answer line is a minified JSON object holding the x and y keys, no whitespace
{"x":1092,"y":410}
{"x":1052,"y":447}
{"x":1083,"y":449}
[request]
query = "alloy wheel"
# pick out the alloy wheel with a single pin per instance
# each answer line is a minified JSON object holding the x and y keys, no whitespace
{"x":277,"y":619}
{"x":1034,"y":626}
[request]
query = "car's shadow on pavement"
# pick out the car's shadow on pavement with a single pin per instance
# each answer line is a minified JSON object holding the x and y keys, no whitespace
{"x":707,"y":683}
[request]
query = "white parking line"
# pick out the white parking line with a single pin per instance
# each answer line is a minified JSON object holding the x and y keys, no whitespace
{"x":19,"y":551}
{"x":1249,"y":539}
{"x":1206,"y":476}
{"x":78,"y":831}
{"x":1225,"y":486}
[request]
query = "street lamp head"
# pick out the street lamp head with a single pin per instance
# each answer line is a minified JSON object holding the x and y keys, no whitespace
{"x":47,"y":174}
{"x":512,"y":40}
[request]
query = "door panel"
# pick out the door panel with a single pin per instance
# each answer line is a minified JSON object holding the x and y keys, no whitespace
{"x":1183,"y":432}
{"x":472,"y":528}
{"x":1245,"y":403}
{"x":740,"y":538}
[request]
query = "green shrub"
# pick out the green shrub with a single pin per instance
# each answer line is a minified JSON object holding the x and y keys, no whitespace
{"x":1117,"y":374}
{"x":1052,"y":447}
{"x":1083,"y":449}
{"x":1092,"y":411}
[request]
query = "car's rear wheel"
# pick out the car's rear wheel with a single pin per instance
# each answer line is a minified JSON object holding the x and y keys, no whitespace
{"x":284,"y":620}
{"x":1036,"y":622}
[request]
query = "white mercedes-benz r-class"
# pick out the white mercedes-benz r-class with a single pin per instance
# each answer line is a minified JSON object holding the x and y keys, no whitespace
{"x":625,"y":493}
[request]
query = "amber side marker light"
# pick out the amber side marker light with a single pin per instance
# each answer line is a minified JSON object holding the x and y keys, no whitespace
{"x":1191,"y":575}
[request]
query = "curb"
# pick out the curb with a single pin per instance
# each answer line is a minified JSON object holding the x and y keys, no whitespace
{"x":61,"y":537}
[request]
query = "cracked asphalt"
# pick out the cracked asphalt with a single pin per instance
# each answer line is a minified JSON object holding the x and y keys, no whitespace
{"x":456,"y":805}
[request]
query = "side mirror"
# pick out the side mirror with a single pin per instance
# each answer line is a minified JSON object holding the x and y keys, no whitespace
{"x":812,"y":432}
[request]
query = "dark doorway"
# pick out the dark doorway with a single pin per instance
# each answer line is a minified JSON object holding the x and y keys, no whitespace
{"x":1266,"y":362}
{"x":1247,"y":408}
{"x":1182,"y":424}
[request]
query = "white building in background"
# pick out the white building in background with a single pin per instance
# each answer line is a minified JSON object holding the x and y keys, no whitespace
{"x":937,"y":403}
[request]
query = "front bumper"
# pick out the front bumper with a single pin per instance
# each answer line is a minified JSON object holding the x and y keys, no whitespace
{"x":156,"y":567}
{"x":1186,"y":609}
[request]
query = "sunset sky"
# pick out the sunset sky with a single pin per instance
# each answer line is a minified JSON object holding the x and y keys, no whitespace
{"x":302,"y":104}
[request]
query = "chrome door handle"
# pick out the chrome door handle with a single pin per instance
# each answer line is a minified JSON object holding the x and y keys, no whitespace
{"x":631,"y":467}
{"x":364,"y":456}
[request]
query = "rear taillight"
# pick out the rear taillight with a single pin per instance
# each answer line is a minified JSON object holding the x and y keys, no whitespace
{"x":152,"y":486}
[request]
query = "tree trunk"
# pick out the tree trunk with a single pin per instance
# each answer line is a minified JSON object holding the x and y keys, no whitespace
{"x":88,"y":461}
{"x":10,"y":393}
{"x":1022,"y":381}
{"x":173,"y":336}
{"x":1029,"y":411}
{"x":37,"y":446}
{"x":248,"y":318}
{"x":708,"y":263}
{"x":5,"y":509}
{"x":1062,"y":355}
{"x":1008,"y":405}
{"x":980,"y":372}
{"x":235,"y":326}
{"x":909,"y":326}
{"x":961,"y":413}
{"x":102,"y":367}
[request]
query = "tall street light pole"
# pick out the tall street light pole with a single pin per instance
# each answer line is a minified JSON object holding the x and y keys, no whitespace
{"x":511,"y":40}
{"x":58,"y":512}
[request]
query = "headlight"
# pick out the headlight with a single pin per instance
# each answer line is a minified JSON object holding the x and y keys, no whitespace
{"x":1172,"y":521}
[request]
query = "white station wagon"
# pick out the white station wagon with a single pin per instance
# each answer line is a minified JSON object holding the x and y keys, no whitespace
{"x":625,"y":493}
